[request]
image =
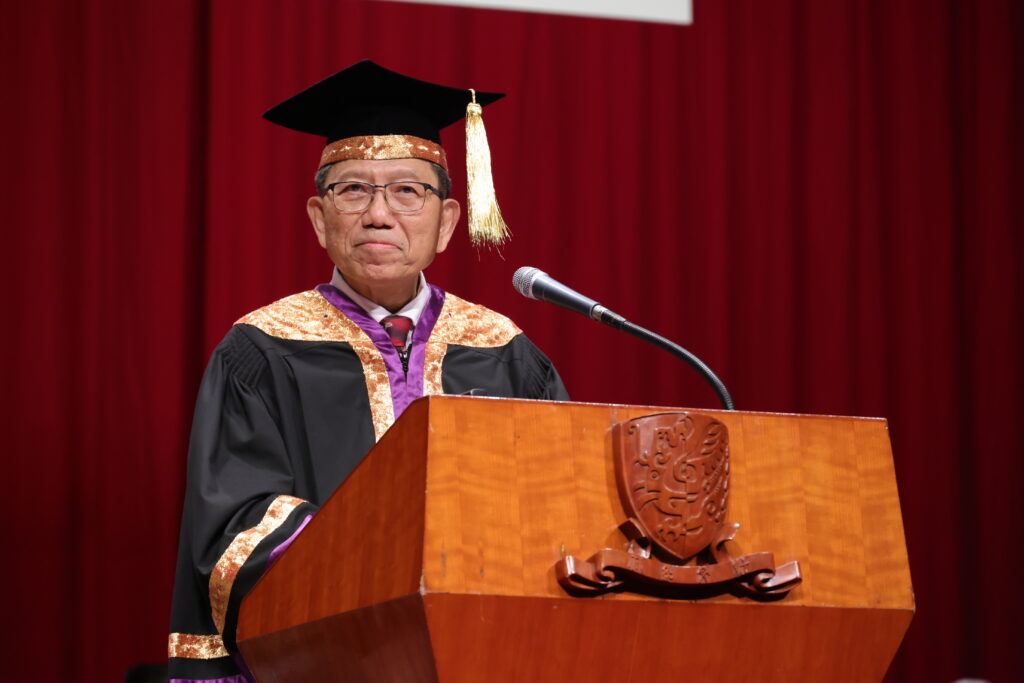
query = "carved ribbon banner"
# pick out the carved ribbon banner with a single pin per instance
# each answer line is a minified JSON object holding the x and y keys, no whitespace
{"x":672,"y":472}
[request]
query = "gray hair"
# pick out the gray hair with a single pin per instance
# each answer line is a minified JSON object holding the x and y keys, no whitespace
{"x":444,"y":181}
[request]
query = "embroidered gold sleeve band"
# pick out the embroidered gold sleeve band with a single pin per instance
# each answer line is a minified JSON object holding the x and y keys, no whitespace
{"x":377,"y":147}
{"x":222,"y":578}
{"x":192,"y":646}
{"x":308,"y":316}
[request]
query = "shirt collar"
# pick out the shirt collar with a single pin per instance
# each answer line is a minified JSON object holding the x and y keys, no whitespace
{"x":412,"y":310}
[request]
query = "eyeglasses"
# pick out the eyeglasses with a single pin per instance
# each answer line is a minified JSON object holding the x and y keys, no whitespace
{"x":403,"y":196}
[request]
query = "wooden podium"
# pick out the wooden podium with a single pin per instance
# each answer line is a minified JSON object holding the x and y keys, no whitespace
{"x":434,"y":560}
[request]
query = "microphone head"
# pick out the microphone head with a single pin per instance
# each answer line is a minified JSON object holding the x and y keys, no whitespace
{"x":523,"y":280}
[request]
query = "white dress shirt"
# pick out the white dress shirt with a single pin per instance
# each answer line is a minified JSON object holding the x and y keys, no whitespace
{"x":412,"y":310}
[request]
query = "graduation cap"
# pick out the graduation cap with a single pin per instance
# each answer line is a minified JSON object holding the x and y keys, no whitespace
{"x":368,"y":112}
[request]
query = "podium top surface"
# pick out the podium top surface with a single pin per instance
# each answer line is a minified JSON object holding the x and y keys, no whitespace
{"x":651,"y":409}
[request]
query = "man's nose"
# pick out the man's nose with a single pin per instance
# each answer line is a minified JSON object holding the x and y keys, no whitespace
{"x":378,"y":211}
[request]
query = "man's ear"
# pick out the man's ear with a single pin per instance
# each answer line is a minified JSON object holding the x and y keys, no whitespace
{"x":450,"y":211}
{"x":315,"y":209}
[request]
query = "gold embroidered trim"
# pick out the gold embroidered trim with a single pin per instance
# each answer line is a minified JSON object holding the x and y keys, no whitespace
{"x":191,"y":646}
{"x":383,"y":147}
{"x":378,"y":386}
{"x":308,"y":316}
{"x":222,"y":578}
{"x":468,"y":324}
{"x":433,"y":359}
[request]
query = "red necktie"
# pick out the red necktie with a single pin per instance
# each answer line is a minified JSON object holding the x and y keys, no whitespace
{"x":397,"y":327}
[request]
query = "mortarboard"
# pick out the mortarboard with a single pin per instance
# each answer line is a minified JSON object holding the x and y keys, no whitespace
{"x":368,"y":112}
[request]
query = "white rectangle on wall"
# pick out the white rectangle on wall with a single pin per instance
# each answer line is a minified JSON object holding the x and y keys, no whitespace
{"x":661,"y":11}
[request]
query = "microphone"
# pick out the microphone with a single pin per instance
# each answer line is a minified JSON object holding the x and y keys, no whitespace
{"x":534,"y":283}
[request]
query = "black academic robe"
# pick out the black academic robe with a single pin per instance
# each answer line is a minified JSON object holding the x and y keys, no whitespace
{"x":293,"y":398}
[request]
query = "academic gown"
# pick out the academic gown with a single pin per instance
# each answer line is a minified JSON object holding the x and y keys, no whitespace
{"x":293,"y":398}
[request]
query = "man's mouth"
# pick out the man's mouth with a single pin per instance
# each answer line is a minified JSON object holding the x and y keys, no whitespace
{"x":377,"y":245}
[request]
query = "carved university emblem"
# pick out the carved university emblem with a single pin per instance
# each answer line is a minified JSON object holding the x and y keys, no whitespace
{"x":672,"y":471}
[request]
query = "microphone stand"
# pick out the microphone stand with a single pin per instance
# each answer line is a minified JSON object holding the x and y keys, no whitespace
{"x":602,"y":314}
{"x":534,"y":283}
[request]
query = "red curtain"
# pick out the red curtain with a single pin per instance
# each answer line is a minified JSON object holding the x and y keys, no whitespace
{"x":821,"y":199}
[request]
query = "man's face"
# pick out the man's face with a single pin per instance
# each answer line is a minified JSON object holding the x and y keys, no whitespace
{"x":381,"y":248}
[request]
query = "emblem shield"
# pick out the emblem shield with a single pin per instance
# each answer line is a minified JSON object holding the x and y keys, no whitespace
{"x":672,"y":473}
{"x":673,"y":479}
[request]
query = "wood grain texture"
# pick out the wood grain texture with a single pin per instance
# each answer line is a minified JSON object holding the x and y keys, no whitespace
{"x":503,"y":639}
{"x":388,"y":641}
{"x":522,"y":482}
{"x":461,"y":511}
{"x":363,"y":547}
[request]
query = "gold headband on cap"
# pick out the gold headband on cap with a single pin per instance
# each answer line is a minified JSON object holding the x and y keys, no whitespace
{"x":383,"y":147}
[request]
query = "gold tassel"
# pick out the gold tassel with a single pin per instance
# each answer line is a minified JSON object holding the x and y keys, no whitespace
{"x":485,"y":222}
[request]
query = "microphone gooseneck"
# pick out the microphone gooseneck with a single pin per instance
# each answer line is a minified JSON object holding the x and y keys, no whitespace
{"x":534,"y":283}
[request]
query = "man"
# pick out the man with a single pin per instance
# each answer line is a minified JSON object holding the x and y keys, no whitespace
{"x":300,"y":390}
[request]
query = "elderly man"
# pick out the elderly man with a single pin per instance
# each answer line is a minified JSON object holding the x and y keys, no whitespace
{"x":300,"y":390}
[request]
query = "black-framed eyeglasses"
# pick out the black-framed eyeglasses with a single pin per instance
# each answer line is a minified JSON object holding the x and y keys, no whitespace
{"x":403,"y":196}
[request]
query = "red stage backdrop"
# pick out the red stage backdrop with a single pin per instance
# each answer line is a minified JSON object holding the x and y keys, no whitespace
{"x":822,"y":199}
